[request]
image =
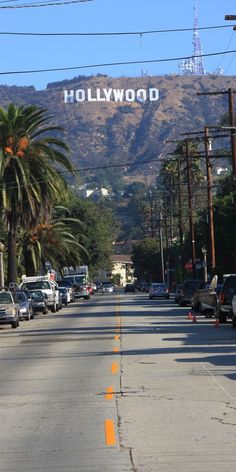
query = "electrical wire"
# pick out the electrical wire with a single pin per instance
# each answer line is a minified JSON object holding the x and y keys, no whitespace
{"x":39,"y":5}
{"x":110,"y":64}
{"x":115,"y":33}
{"x":87,"y":169}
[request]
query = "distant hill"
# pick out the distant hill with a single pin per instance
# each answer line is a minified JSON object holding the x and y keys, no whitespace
{"x":101,"y":133}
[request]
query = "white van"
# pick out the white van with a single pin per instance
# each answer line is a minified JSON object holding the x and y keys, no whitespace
{"x":46,"y":285}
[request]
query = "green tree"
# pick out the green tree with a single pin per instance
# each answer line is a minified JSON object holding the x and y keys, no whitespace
{"x":147,"y":260}
{"x":55,"y":242}
{"x":29,"y":183}
{"x":99,"y":232}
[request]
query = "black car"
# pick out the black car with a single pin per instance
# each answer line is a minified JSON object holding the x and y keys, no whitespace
{"x":129,"y":288}
{"x":39,"y":302}
{"x":187,"y":292}
{"x":178,"y":293}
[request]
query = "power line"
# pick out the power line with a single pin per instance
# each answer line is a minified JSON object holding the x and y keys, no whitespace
{"x":115,"y":33}
{"x":109,"y":64}
{"x":47,"y":4}
{"x":108,"y":166}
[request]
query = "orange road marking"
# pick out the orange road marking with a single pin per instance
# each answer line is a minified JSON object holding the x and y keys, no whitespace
{"x":116,"y":349}
{"x":114,"y":368}
{"x":110,"y":393}
{"x":110,"y":435}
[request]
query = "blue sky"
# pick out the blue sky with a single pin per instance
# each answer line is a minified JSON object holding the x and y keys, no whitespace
{"x":23,"y":53}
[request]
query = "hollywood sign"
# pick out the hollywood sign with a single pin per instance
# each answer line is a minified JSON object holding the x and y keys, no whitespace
{"x":108,"y":95}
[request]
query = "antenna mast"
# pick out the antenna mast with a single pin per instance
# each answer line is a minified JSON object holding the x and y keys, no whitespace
{"x":197,"y":47}
{"x":194,"y":66}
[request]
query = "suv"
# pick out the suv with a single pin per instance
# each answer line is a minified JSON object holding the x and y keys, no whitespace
{"x":225,"y":299}
{"x":190,"y":286}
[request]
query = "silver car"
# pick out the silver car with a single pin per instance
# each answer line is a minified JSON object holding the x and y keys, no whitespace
{"x":9,"y":310}
{"x":107,"y":288}
{"x":25,"y":311}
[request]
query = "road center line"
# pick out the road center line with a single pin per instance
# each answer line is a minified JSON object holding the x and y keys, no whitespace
{"x":110,"y":436}
{"x":110,"y":393}
{"x":114,"y":368}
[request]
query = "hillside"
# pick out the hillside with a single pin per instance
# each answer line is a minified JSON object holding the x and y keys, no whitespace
{"x":108,"y":132}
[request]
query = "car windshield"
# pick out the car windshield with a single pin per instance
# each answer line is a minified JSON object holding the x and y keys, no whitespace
{"x":5,"y":298}
{"x":191,"y":284}
{"x":37,"y":295}
{"x":65,"y":282}
{"x":158,"y":286}
{"x":37,"y":285}
{"x":21,"y":297}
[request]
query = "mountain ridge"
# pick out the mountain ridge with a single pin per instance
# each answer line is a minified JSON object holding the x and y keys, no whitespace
{"x":109,"y":132}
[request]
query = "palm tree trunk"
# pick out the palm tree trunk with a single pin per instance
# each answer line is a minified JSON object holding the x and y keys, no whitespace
{"x":28,"y":263}
{"x":11,"y":262}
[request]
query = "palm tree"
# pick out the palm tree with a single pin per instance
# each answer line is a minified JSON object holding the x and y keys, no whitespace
{"x":55,"y":242}
{"x":29,"y":182}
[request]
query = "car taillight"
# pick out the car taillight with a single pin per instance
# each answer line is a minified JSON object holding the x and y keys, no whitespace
{"x":222,"y":298}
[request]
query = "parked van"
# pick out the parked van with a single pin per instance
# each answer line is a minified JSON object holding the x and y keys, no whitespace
{"x":46,"y":285}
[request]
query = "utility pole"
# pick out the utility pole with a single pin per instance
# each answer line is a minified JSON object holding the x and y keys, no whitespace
{"x":233,"y":136}
{"x":210,"y":199}
{"x":230,"y":92}
{"x":161,"y":249}
{"x":180,"y":215}
{"x":190,"y":207}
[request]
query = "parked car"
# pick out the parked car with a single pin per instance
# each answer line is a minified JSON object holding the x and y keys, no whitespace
{"x":9,"y":309}
{"x":234,"y":311}
{"x":178,"y":292}
{"x":129,"y":288}
{"x":107,"y":287}
{"x":66,"y":283}
{"x":39,"y":302}
{"x":227,"y":293}
{"x":205,"y":298}
{"x":190,"y":286}
{"x":159,"y":290}
{"x":25,"y":305}
{"x":65,"y":296}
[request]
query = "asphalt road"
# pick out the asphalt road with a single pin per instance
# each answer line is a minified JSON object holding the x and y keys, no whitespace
{"x":118,"y":383}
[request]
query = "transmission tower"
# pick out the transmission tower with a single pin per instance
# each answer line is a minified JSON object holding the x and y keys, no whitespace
{"x":194,"y":66}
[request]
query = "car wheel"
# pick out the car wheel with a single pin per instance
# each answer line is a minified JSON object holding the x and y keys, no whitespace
{"x":234,"y":321}
{"x":222,"y":318}
{"x":54,"y":308}
{"x":45,"y":311}
{"x":15,"y":323}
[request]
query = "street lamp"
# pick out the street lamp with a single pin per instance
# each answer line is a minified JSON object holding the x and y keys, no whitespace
{"x":204,"y":252}
{"x":1,"y":266}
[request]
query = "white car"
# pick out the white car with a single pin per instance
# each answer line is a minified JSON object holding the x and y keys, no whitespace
{"x":107,"y":288}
